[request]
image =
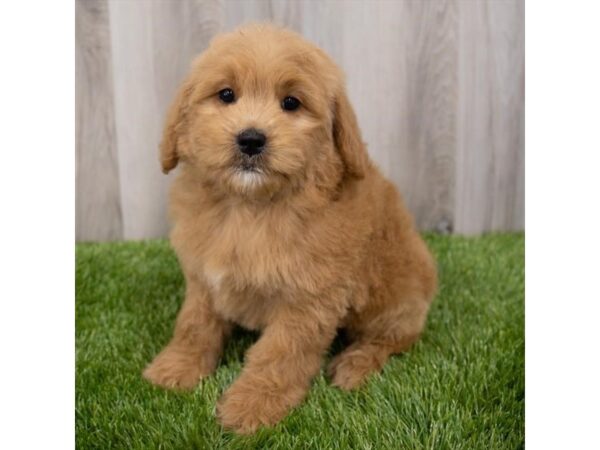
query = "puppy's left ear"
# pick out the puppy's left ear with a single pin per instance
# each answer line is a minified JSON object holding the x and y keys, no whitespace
{"x":347,"y":137}
{"x":175,"y":127}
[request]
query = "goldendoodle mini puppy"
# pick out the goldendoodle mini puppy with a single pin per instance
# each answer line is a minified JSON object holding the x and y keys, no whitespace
{"x":283,"y":224}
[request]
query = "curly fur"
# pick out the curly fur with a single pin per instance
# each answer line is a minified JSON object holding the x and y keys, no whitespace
{"x":314,"y":240}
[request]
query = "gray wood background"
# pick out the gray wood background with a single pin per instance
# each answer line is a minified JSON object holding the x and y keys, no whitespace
{"x":438,"y":87}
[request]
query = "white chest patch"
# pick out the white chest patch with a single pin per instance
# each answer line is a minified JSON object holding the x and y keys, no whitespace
{"x":214,"y":278}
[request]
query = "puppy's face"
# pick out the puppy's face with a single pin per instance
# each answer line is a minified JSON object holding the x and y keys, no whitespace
{"x":261,"y":113}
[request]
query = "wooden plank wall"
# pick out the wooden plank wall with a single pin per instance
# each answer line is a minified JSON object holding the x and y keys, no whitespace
{"x":98,"y":197}
{"x":438,"y":87}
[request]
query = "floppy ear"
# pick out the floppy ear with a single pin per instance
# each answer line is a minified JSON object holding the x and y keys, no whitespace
{"x":347,"y":138}
{"x":176,"y":122}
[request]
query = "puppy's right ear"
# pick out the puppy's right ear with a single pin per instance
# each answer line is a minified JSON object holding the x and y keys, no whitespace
{"x":171,"y":146}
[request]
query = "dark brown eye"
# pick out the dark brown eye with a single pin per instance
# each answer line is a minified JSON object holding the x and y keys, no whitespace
{"x":290,"y":103}
{"x":226,"y":95}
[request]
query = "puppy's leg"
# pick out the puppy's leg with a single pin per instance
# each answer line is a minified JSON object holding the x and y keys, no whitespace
{"x":378,"y":337}
{"x":278,"y":369}
{"x":196,"y":345}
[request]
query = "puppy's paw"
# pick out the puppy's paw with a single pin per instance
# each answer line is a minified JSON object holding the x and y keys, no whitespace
{"x":244,"y":410}
{"x":351,"y":368}
{"x":174,"y":368}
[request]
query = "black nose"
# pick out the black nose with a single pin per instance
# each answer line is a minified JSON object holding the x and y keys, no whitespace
{"x":251,"y":141}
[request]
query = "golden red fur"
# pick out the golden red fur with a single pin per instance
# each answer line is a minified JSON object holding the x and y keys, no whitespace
{"x":312,"y":239}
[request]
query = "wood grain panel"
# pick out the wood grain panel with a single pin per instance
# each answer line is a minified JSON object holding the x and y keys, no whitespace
{"x":490,"y":154}
{"x":237,"y":12}
{"x":437,"y":87}
{"x":153,"y":45}
{"x":137,"y":114}
{"x":323,"y":24}
{"x":425,"y":168}
{"x":97,"y":204}
{"x":400,"y":60}
{"x":281,"y":12}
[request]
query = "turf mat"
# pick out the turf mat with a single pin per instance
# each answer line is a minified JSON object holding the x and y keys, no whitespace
{"x":461,"y":387}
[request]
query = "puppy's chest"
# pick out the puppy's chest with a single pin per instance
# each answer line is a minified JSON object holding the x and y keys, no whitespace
{"x":250,"y":271}
{"x":247,"y":284}
{"x":251,"y":266}
{"x":239,"y":301}
{"x":254,"y":258}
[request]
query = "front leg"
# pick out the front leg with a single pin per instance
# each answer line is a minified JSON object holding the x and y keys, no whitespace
{"x":279,"y":368}
{"x":196,"y":345}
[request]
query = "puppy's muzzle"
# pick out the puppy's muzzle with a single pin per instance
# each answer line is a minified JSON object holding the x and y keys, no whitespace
{"x":251,"y":142}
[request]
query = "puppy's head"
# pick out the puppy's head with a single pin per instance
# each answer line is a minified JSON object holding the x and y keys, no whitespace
{"x":264,"y":111}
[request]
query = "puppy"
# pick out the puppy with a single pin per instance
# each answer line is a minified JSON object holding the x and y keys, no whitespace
{"x":282,"y":224}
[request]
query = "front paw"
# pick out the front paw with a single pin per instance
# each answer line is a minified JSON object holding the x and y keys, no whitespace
{"x":351,"y":368}
{"x":176,"y":368}
{"x":247,"y":406}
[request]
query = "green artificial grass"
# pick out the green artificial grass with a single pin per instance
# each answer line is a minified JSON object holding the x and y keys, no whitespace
{"x":461,"y":387}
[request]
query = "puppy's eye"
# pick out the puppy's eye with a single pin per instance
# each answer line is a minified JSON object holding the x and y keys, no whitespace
{"x":226,"y":95}
{"x":290,"y":103}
